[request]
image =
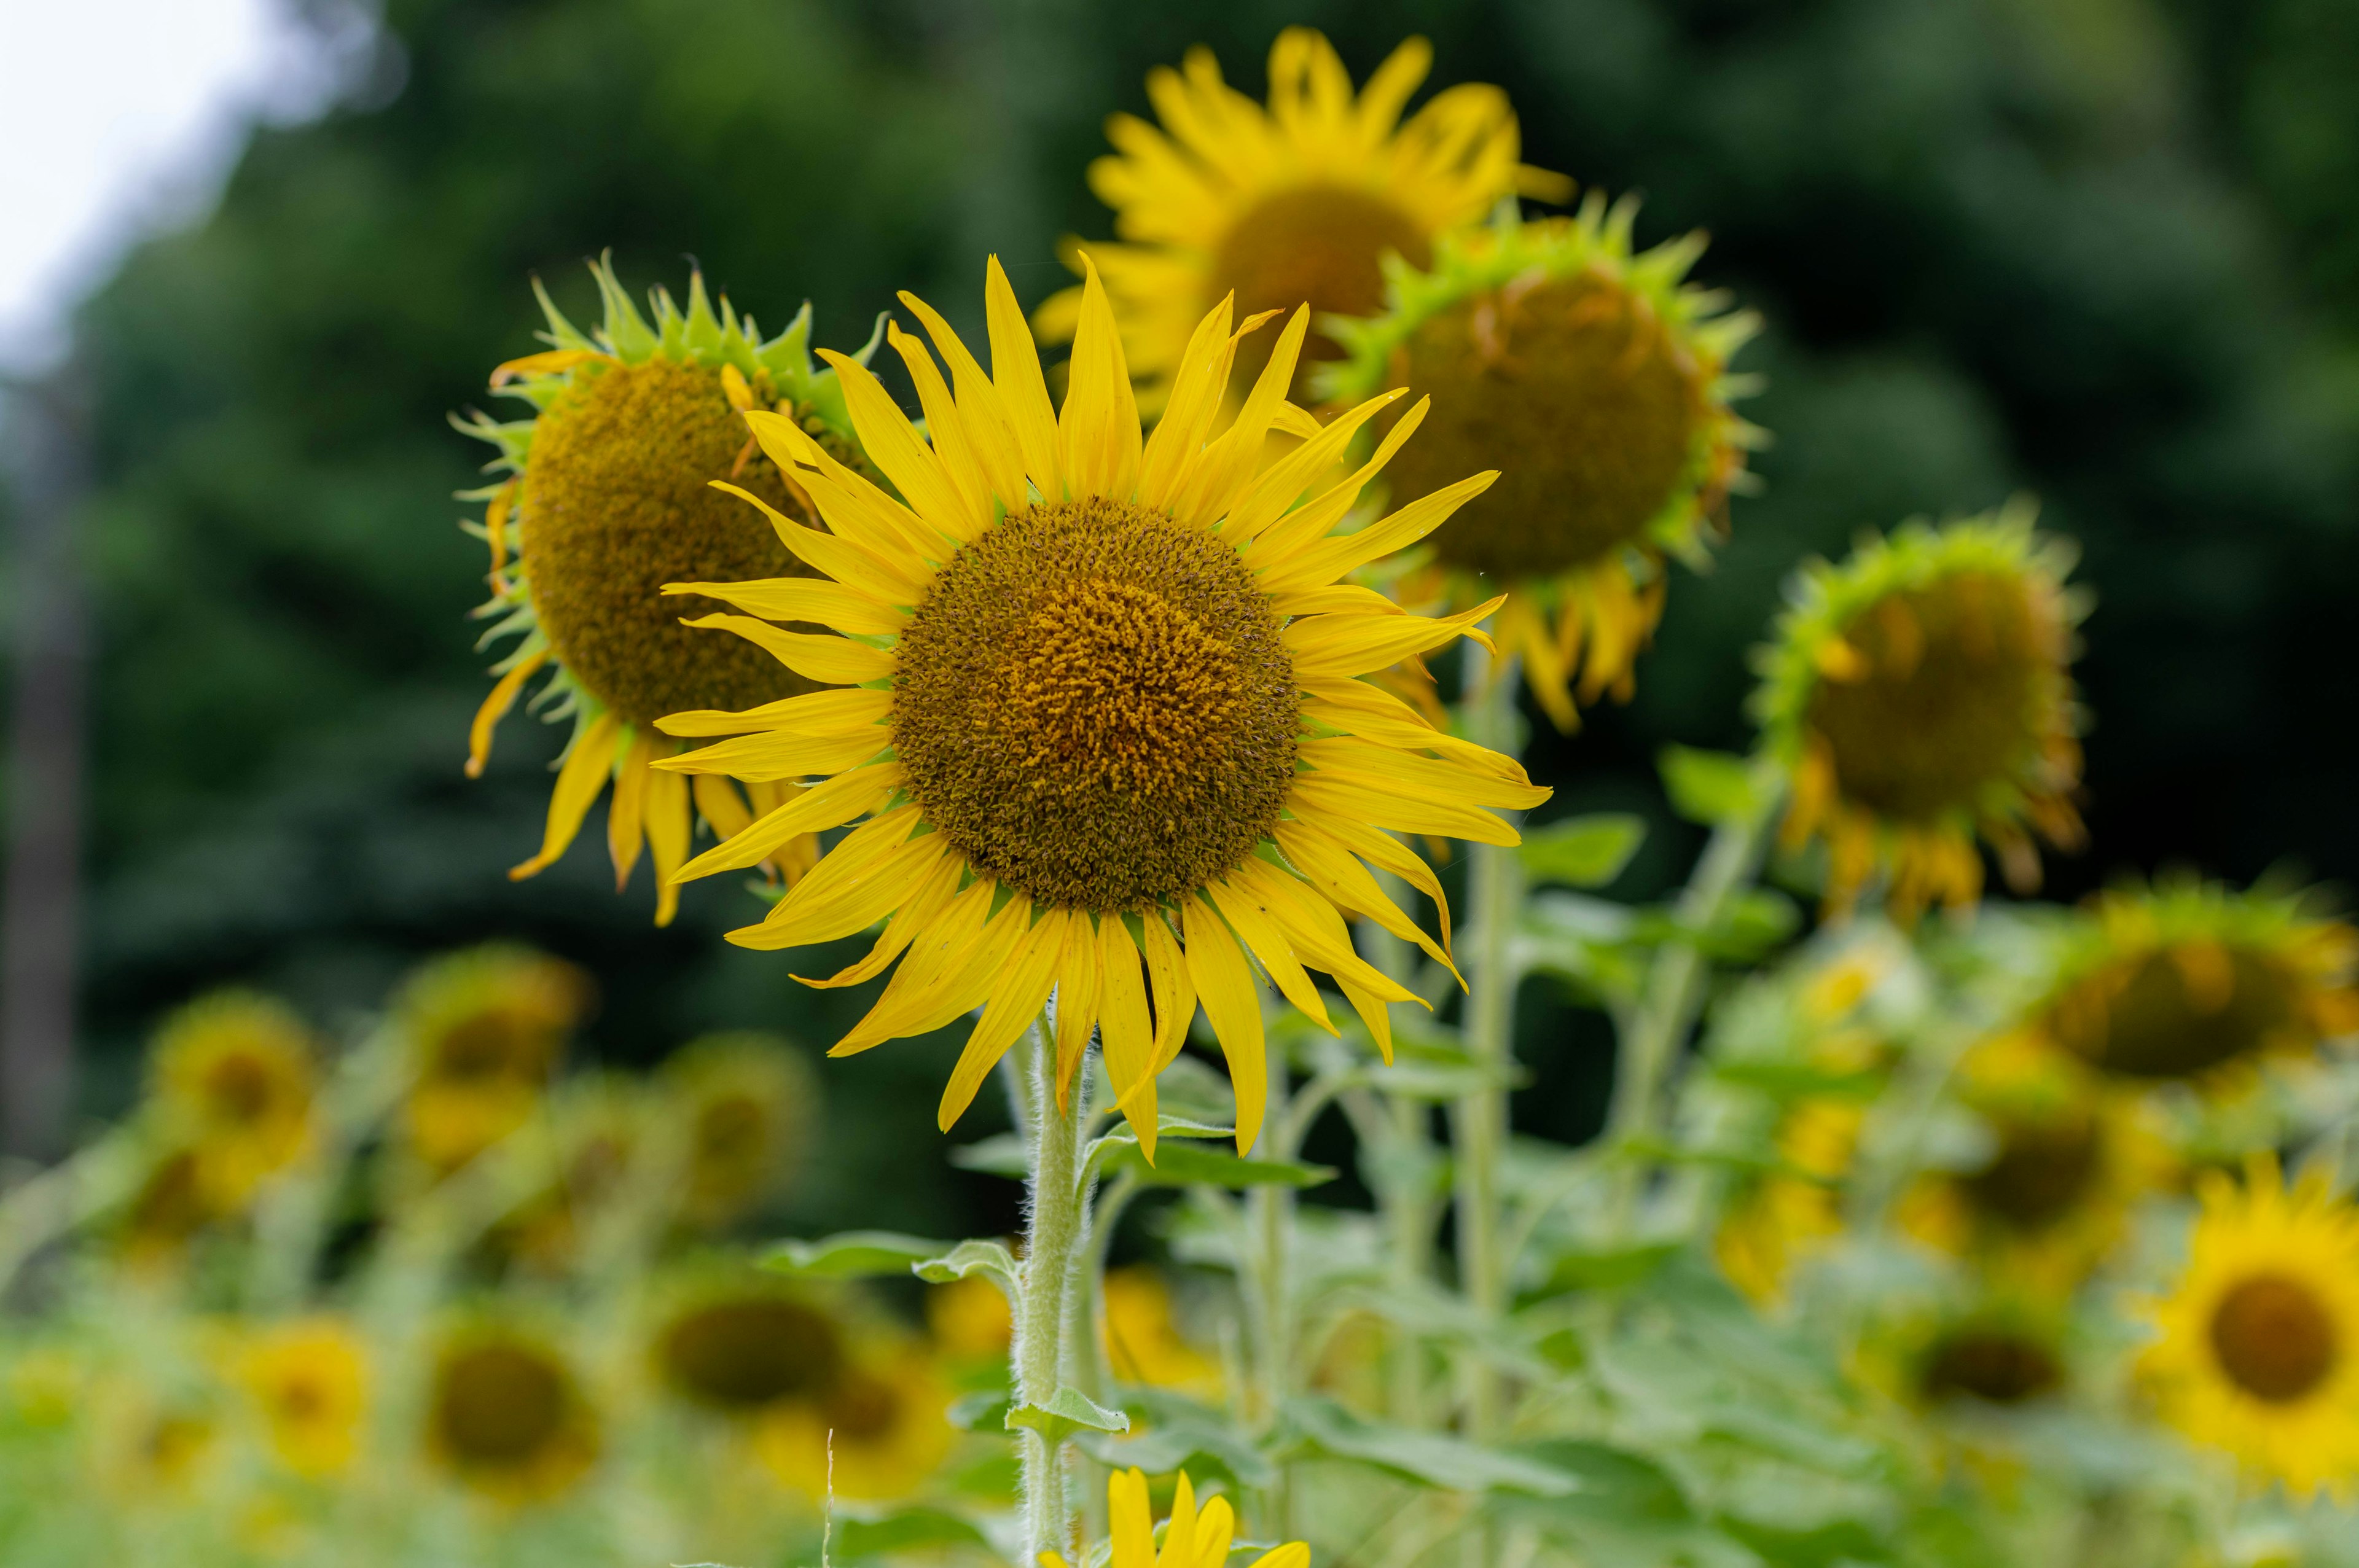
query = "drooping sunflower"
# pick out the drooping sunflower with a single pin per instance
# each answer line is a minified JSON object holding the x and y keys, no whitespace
{"x":746,"y":1103}
{"x":308,"y":1381}
{"x":507,"y":1416}
{"x":2258,"y":1346}
{"x":604,"y":502}
{"x":1108,"y":734}
{"x":738,"y":1347}
{"x":232,"y":1077}
{"x":1598,"y":380}
{"x":2188,"y":981}
{"x":877,"y":1432}
{"x":1296,"y":203}
{"x":486,"y":1030}
{"x":1193,"y":1537}
{"x":1922,"y":693}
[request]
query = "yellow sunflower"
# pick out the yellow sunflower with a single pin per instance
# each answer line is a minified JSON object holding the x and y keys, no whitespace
{"x":1598,"y":381}
{"x":1193,"y":1537}
{"x":308,"y":1381}
{"x":598,"y":1135}
{"x":1108,"y":728}
{"x":1143,"y":1341}
{"x":171,"y":1204}
{"x":747,"y":1102}
{"x":969,"y":1321}
{"x":2257,"y":1350}
{"x":2186,"y":980}
{"x":507,"y":1416}
{"x":232,"y":1076}
{"x":739,"y":1347}
{"x":877,"y":1432}
{"x":486,"y":1030}
{"x":1298,"y":203}
{"x":606,"y":502}
{"x":1922,"y":693}
{"x":1789,"y":1214}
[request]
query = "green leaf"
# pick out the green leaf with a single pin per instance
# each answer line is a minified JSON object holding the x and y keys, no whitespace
{"x":1003,"y":1154}
{"x":989,"y":1258}
{"x":985,"y":1410}
{"x":1177,"y":1433}
{"x":1180,"y":1164}
{"x":1582,"y":851}
{"x":876,"y":1531}
{"x":1429,"y":1458}
{"x":1068,"y":1411}
{"x":852,"y":1255}
{"x":1609,"y":1267}
{"x":1710,"y":787}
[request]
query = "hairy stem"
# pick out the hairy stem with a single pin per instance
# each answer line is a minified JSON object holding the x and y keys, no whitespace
{"x":1052,"y":1229}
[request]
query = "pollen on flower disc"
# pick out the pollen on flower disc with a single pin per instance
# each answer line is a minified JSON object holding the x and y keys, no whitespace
{"x":1322,"y":245}
{"x":616,"y":503}
{"x":1573,"y":390}
{"x":1094,"y":704}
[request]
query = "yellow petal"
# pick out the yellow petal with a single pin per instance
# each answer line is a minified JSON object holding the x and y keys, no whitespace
{"x":1080,"y":984}
{"x":668,"y":836}
{"x":893,"y":445}
{"x":1244,"y":912}
{"x":1100,"y":422}
{"x":1016,"y":371}
{"x":899,"y":581}
{"x":625,"y":812}
{"x":805,"y":599}
{"x":989,"y":425}
{"x":1424,"y":777}
{"x":1331,"y":559}
{"x":1333,"y":869}
{"x":494,"y":708}
{"x":815,"y":713}
{"x":1175,"y":993}
{"x":579,"y":783}
{"x":831,"y":804}
{"x":1126,"y":1030}
{"x":1225,"y":983}
{"x":1359,"y":798}
{"x":830,"y":660}
{"x":852,"y":901}
{"x":1330,"y":648}
{"x":1015,"y":1003}
{"x":947,"y":430}
{"x":918,"y":912}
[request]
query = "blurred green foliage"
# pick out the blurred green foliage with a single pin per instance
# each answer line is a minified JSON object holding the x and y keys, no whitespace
{"x":2100,"y":250}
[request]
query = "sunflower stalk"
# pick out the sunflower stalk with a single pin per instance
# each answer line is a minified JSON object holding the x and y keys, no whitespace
{"x":1053,"y":1235}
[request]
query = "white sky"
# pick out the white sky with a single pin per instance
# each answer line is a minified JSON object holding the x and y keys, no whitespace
{"x":120,"y":116}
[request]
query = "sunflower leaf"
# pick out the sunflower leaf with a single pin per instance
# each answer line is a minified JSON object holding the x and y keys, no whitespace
{"x":1710,"y":787}
{"x":1068,"y":1411}
{"x":852,"y":1255}
{"x":1179,"y":1165}
{"x":1582,"y":851}
{"x":1322,"y":1426}
{"x":989,"y":1258}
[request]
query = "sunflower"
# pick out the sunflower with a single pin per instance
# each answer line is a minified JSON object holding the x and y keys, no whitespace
{"x":308,"y":1381}
{"x":599,"y":1132}
{"x":746,"y":1102}
{"x":173,"y":1202}
{"x":1790,"y":1213}
{"x":1298,"y":203}
{"x":1192,"y":1538}
{"x":2188,"y":981}
{"x":1598,"y":381}
{"x":1108,"y":708}
{"x":1922,"y":694}
{"x":507,"y":1416}
{"x":740,"y":1347}
{"x":2257,"y":1350}
{"x":878,"y":1430}
{"x":486,"y":1029}
{"x":604,"y":502}
{"x":1143,"y":1341}
{"x":232,"y":1076}
{"x":969,"y":1321}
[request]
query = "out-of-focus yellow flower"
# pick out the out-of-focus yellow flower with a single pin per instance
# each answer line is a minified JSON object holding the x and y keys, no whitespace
{"x":748,"y":1103}
{"x":886,"y":1414}
{"x":1193,"y":1538}
{"x":173,"y":1203}
{"x":486,"y":1029}
{"x":744,"y":1347}
{"x":1143,"y":1341}
{"x":308,"y":1379}
{"x":970,"y":1319}
{"x":1298,"y":203}
{"x":2258,"y":1346}
{"x":508,"y":1417}
{"x":1787,"y":1215}
{"x":232,"y":1078}
{"x":599,"y":1130}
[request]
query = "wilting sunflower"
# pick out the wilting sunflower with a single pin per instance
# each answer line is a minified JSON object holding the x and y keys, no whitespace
{"x":1109,"y":730}
{"x":1922,"y":693}
{"x":606,"y":502}
{"x":1298,"y":203}
{"x":2188,"y":981}
{"x":308,"y":1381}
{"x":1143,"y":1341}
{"x":1193,"y":1537}
{"x":2259,"y":1347}
{"x":1598,"y":381}
{"x":877,"y":1432}
{"x":2068,"y":1158}
{"x":232,"y":1076}
{"x":507,"y":1416}
{"x":739,"y":1347}
{"x":486,"y":1030}
{"x":746,"y":1103}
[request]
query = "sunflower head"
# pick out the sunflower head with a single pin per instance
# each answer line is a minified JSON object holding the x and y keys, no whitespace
{"x":1922,"y":693}
{"x":486,"y":1030}
{"x":1111,"y":734}
{"x":885,"y":1417}
{"x":2188,"y":981}
{"x":1598,"y":381}
{"x":1298,"y":203}
{"x":308,"y":1381}
{"x":1996,"y":1362}
{"x":606,"y":499}
{"x":232,"y":1076}
{"x":507,"y":1416}
{"x":2257,"y":1348}
{"x":1193,"y":1533}
{"x":747,"y":1104}
{"x":739,"y":1347}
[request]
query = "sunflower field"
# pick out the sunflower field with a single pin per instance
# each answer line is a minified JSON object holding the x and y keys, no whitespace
{"x":1210,"y":1070}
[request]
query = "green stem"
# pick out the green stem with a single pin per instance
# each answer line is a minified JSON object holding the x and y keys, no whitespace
{"x":1398,"y":1130}
{"x":1479,"y":1120}
{"x":1270,"y":1216}
{"x":1051,"y":1233}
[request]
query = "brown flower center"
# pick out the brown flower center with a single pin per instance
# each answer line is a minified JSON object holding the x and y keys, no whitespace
{"x":614,"y":504}
{"x":2180,"y":1013}
{"x":1317,"y":244}
{"x":2040,"y":1172}
{"x":740,"y":1355}
{"x":1578,"y":395}
{"x":499,"y":1406}
{"x":1094,"y":705}
{"x":1944,"y":701}
{"x":863,"y":1409}
{"x":1989,"y":1364}
{"x":240,"y":1087}
{"x":2274,"y":1338}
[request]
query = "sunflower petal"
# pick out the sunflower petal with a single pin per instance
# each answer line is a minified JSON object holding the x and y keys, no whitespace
{"x":579,"y":781}
{"x":1100,"y":422}
{"x":830,"y":804}
{"x":830,"y":660}
{"x":1015,"y":1003}
{"x":1225,"y":983}
{"x":1244,"y":912}
{"x":1016,"y":371}
{"x":804,"y":599}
